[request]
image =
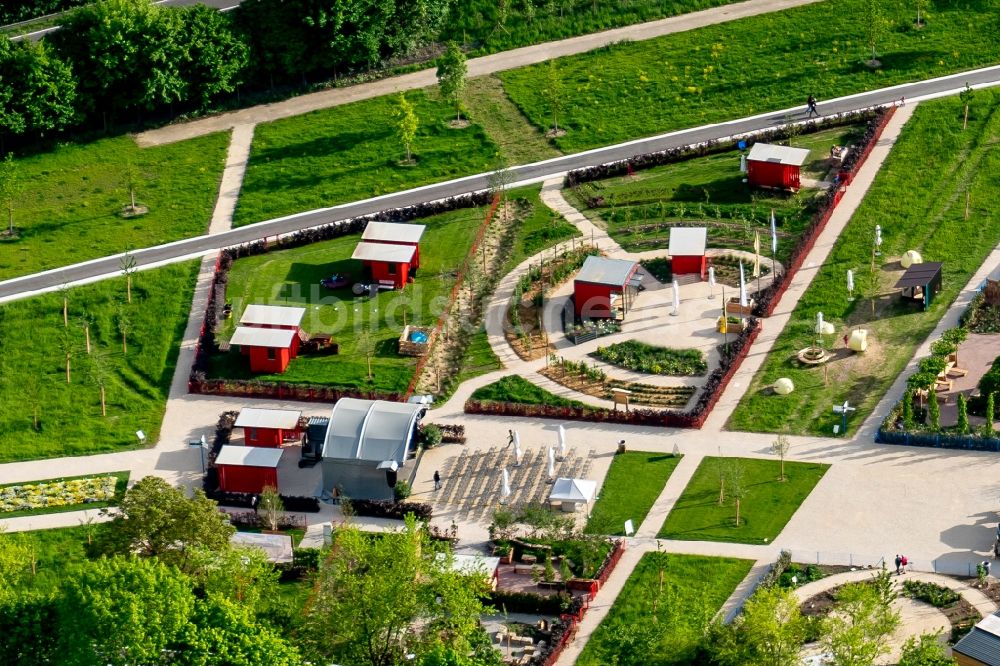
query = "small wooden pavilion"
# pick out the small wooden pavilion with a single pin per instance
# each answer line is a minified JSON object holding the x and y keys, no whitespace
{"x":247,"y":469}
{"x":605,"y":288}
{"x":268,"y":427}
{"x":769,"y":165}
{"x":921,"y":283}
{"x":687,"y":250}
{"x":388,"y":264}
{"x":396,"y":234}
{"x":270,"y":349}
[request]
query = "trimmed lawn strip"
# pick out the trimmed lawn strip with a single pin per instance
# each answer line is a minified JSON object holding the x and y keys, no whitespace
{"x":519,"y":390}
{"x":68,"y":211}
{"x":764,"y":511}
{"x":521,"y":142}
{"x":750,"y":66}
{"x":634,"y":481}
{"x":927,"y":214}
{"x":640,"y":357}
{"x":676,"y":609}
{"x":33,"y":370}
{"x":121,"y":485}
{"x":350,"y":152}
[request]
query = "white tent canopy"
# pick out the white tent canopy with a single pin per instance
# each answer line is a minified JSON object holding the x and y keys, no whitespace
{"x":573,"y":490}
{"x":277,"y":547}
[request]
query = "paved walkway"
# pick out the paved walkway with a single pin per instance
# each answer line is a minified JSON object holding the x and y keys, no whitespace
{"x":482,"y":66}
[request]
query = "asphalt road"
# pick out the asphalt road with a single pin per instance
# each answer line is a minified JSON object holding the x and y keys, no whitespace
{"x":536,"y":172}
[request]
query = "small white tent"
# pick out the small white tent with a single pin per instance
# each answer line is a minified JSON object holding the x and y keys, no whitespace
{"x":571,"y":492}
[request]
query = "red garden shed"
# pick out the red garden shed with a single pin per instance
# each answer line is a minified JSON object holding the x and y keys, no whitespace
{"x":387,"y":263}
{"x":769,"y":165}
{"x":687,"y":250}
{"x":247,"y":469}
{"x":605,"y":288}
{"x":396,"y":234}
{"x":269,"y":349}
{"x":268,"y":427}
{"x":272,"y":316}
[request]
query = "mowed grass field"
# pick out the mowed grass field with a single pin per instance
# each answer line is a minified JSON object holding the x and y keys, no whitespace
{"x":292,"y":277}
{"x":351,"y":152}
{"x":669,"y":601}
{"x":750,"y":66}
{"x":33,"y":340}
{"x":764,"y":511}
{"x":919,"y":209}
{"x":68,"y":209}
{"x":634,"y":481}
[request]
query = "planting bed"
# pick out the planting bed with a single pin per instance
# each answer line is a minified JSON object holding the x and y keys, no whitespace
{"x":65,"y":494}
{"x":517,"y":390}
{"x":641,"y":357}
{"x":595,"y":383}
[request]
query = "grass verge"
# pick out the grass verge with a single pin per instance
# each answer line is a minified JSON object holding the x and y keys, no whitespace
{"x":351,"y":152}
{"x":634,"y":481}
{"x":519,"y":390}
{"x":43,"y":415}
{"x":664,"y":609}
{"x":488,"y":105}
{"x":766,"y":507}
{"x":750,"y":66}
{"x":121,"y":484}
{"x":68,"y":211}
{"x":928,"y":215}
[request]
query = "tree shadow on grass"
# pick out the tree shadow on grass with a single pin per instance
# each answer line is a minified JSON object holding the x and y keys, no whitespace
{"x":321,"y":146}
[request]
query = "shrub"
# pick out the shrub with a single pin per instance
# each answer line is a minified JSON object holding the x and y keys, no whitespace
{"x":388,"y":509}
{"x":430,"y":435}
{"x":401,"y":490}
{"x":641,"y":357}
{"x":306,"y":558}
{"x":931,"y":593}
{"x":528,"y":602}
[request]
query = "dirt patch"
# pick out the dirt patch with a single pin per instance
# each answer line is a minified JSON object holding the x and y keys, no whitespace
{"x":459,"y":124}
{"x":555,"y":133}
{"x":675,"y":397}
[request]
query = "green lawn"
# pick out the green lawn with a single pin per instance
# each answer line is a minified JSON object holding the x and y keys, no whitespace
{"x":68,"y":210}
{"x":633,"y":483}
{"x":121,"y":484}
{"x":291,"y":277}
{"x":351,"y":152}
{"x":764,"y":510}
{"x":56,"y":551}
{"x":640,"y":210}
{"x":663,"y":619}
{"x":517,"y":389}
{"x":921,"y":209}
{"x":750,"y":66}
{"x":487,"y":105}
{"x":539,"y":230}
{"x":33,"y":371}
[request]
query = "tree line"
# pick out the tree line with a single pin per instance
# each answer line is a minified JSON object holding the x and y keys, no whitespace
{"x":122,"y":60}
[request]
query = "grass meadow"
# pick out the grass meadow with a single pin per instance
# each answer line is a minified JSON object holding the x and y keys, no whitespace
{"x":68,"y":209}
{"x":517,"y":389}
{"x":634,"y":481}
{"x":918,"y":208}
{"x":33,"y":346}
{"x":751,"y":66}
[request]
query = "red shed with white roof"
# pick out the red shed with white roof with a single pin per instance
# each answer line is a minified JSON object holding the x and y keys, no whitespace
{"x":395,"y":233}
{"x":388,"y":263}
{"x":247,"y":469}
{"x":270,"y":349}
{"x":770,"y":165}
{"x":268,"y":427}
{"x":687,"y":250}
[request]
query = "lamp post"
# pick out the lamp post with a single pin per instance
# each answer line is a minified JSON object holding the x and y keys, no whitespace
{"x":200,"y":443}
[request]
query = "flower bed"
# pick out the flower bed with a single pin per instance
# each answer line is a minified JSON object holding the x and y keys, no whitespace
{"x":57,"y":495}
{"x":640,"y":357}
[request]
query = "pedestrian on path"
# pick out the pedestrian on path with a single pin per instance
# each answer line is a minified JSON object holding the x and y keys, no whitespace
{"x":902,"y":564}
{"x":510,"y":438}
{"x":899,"y":562}
{"x":437,"y":480}
{"x":811,"y":106}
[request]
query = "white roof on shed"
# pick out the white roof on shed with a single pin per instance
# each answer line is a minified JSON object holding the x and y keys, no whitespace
{"x":248,"y":456}
{"x":687,"y":241}
{"x":263,"y":337}
{"x":769,"y":152}
{"x":573,"y":490}
{"x":396,"y":254}
{"x":372,"y":430}
{"x":278,"y":547}
{"x":601,"y":270}
{"x":272,"y":315}
{"x":393,"y":232}
{"x":252,"y":417}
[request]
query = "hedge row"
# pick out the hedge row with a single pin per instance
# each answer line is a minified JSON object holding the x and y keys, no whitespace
{"x":390,"y":509}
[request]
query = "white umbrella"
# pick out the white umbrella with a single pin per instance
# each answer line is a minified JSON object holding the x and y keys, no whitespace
{"x":711,"y":281}
{"x":756,"y":255}
{"x":878,"y":239}
{"x":562,"y":441}
{"x":774,"y":234}
{"x":743,"y":287}
{"x":677,"y":299}
{"x":819,"y":323}
{"x":850,"y":284}
{"x":552,"y":463}
{"x":517,"y":450}
{"x":505,"y":491}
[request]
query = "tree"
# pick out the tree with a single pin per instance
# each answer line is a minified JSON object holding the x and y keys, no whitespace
{"x":501,"y":178}
{"x":966,"y":96}
{"x":554,"y":93}
{"x":241,"y":574}
{"x":377,"y":600}
{"x":926,"y":650}
{"x":223,"y":632}
{"x":217,"y":55}
{"x":366,"y":347}
{"x":86,"y":320}
{"x":127,"y":264}
{"x":67,"y":348}
{"x":963,"y":415}
{"x":921,"y":4}
{"x":857,"y":632}
{"x":270,"y":508}
{"x":98,"y":371}
{"x":871,"y":286}
{"x":17,"y":552}
{"x":123,"y":318}
{"x":771,"y":628}
{"x":10,"y":189}
{"x":780,"y":448}
{"x":44,"y":98}
{"x":451,"y":73}
{"x":908,"y":410}
{"x":156,"y":520}
{"x":988,"y":425}
{"x":933,"y":413}
{"x":875,"y":26}
{"x":131,"y":180}
{"x":64,"y":292}
{"x":735,"y":476}
{"x":406,"y":125}
{"x":122,"y":611}
{"x":955,"y":336}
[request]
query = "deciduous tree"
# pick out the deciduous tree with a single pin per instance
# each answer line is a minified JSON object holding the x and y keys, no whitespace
{"x":270,"y":508}
{"x":451,"y":73}
{"x":406,"y":125}
{"x":926,"y":650}
{"x":875,"y":26}
{"x":857,"y":633}
{"x":217,"y":55}
{"x":769,"y":632}
{"x":223,"y":632}
{"x":554,"y":93}
{"x":780,"y":448}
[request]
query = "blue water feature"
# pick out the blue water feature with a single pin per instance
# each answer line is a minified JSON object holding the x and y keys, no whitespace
{"x":418,"y":336}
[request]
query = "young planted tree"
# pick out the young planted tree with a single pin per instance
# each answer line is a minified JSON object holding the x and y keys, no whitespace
{"x":988,"y":426}
{"x":933,"y":413}
{"x":875,"y":27}
{"x":131,"y":179}
{"x":871,"y":286}
{"x":921,"y":5}
{"x":955,"y":336}
{"x":128,"y":268}
{"x":67,"y":348}
{"x":771,"y":628}
{"x":908,"y":410}
{"x":451,"y":73}
{"x":86,"y":321}
{"x":780,"y":448}
{"x":10,"y":189}
{"x":366,"y":347}
{"x":966,"y":97}
{"x":926,"y":650}
{"x":554,"y":93}
{"x":963,"y":415}
{"x":735,"y":479}
{"x":64,"y":292}
{"x":501,"y":178}
{"x":858,"y":632}
{"x":406,"y":125}
{"x":270,"y":509}
{"x":123,"y":318}
{"x":98,"y":373}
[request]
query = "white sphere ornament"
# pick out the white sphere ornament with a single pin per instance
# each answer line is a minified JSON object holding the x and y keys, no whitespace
{"x":909,"y":258}
{"x":828,"y":328}
{"x":784,"y":386}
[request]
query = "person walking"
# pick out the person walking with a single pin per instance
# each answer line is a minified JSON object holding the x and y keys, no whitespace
{"x":811,"y":106}
{"x":510,"y":438}
{"x":437,"y":480}
{"x":902,"y":564}
{"x":899,"y":561}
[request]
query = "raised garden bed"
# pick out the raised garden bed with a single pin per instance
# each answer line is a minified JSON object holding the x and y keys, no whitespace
{"x":641,"y":357}
{"x":981,"y":317}
{"x":600,"y":386}
{"x":63,"y":494}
